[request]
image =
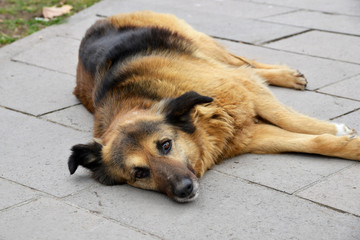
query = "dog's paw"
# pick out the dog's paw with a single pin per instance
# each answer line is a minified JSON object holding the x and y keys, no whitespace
{"x":343,"y":130}
{"x":293,"y":78}
{"x":299,"y":80}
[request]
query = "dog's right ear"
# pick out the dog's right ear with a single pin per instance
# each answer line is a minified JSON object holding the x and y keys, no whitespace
{"x":86,"y":155}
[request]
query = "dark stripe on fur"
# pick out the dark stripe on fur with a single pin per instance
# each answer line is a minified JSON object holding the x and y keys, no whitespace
{"x":104,"y":48}
{"x":95,"y":45}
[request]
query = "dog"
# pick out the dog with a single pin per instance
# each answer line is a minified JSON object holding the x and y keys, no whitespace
{"x":170,"y":102}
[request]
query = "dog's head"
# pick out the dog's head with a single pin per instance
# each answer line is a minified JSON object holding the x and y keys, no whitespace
{"x":148,"y":149}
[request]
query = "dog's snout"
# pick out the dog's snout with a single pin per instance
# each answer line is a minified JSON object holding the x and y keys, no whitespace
{"x":184,"y":188}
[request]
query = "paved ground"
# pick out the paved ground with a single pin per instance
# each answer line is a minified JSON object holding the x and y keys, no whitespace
{"x":289,"y":196}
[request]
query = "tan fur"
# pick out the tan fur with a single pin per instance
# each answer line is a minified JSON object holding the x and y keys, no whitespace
{"x":244,"y":117}
{"x":84,"y":87}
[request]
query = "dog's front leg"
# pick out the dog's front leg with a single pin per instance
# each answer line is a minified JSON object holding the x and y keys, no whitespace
{"x":283,"y":77}
{"x":271,"y":139}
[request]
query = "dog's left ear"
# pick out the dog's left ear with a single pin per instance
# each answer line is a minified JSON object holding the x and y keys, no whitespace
{"x":177,"y":110}
{"x":86,"y":155}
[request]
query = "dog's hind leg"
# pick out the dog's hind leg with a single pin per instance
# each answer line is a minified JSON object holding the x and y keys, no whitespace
{"x":269,"y":139}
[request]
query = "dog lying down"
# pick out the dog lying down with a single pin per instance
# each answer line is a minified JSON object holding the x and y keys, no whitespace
{"x":170,"y":102}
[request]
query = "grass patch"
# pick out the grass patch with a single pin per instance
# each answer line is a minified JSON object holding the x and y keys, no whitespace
{"x":17,"y":17}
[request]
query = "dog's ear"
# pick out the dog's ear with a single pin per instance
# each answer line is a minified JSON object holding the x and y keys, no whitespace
{"x":89,"y":156}
{"x":177,"y":110}
{"x":86,"y":155}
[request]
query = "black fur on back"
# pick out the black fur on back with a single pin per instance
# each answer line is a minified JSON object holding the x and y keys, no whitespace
{"x":105,"y":46}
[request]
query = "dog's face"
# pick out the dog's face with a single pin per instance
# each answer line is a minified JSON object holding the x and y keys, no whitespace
{"x":148,"y":151}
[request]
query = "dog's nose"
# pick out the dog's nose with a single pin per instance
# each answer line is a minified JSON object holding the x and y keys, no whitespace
{"x":183,"y":188}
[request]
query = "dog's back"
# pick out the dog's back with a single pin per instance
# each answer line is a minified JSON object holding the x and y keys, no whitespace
{"x":112,"y":44}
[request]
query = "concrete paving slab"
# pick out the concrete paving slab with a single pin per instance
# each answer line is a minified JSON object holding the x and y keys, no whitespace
{"x":76,"y":28}
{"x":322,"y":44}
{"x":346,"y":7}
{"x":340,"y":191}
{"x":348,"y":88}
{"x":241,"y":9}
{"x":351,"y":120}
{"x":219,"y":24}
{"x":47,"y":218}
{"x":109,"y":7}
{"x":35,"y":152}
{"x":34,"y":90}
{"x":234,"y":8}
{"x":318,"y":71}
{"x":226,"y":208}
{"x":23,"y":44}
{"x":57,"y":53}
{"x":284,"y":172}
{"x":313,"y":104}
{"x":76,"y":117}
{"x":319,"y":20}
{"x":244,"y":30}
{"x":12,"y":193}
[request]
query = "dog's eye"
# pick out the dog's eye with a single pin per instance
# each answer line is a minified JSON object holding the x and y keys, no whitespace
{"x":141,"y":172}
{"x":165,"y":147}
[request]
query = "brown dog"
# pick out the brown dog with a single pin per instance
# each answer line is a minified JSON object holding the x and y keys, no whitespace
{"x":169,"y":103}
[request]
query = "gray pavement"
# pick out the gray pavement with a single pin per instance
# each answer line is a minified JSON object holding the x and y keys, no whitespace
{"x":285,"y":196}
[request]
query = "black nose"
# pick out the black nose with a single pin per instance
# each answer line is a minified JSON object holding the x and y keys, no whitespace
{"x":183,"y":188}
